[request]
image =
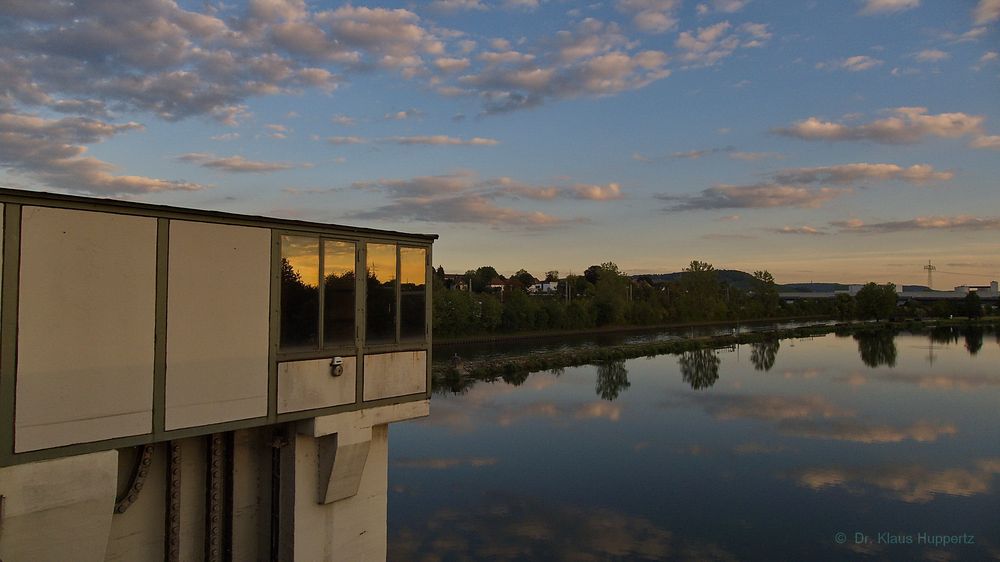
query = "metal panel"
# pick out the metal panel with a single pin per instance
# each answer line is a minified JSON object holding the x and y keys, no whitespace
{"x":395,"y":374}
{"x":86,"y":319}
{"x":217,"y":323}
{"x":307,"y":385}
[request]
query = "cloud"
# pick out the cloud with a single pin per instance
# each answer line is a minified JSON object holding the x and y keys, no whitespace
{"x":986,"y":141}
{"x":346,"y":140}
{"x":651,"y":16}
{"x":450,"y":64}
{"x":908,"y":483}
{"x":850,"y":173}
{"x":875,"y":7}
{"x":987,"y":11}
{"x":906,"y":125}
{"x":853,"y":64}
{"x":456,"y":5}
{"x":861,"y":432}
{"x":721,"y":6}
{"x":343,"y":120}
{"x":696,"y":154}
{"x":958,"y":223}
{"x":521,"y":5}
{"x":931,"y":55}
{"x":444,"y":463}
{"x":442,"y":140}
{"x":403,"y":115}
{"x":51,"y":151}
{"x":756,"y":196}
{"x":463,"y":197}
{"x":804,"y":229}
{"x":236,"y":164}
{"x":750,"y":156}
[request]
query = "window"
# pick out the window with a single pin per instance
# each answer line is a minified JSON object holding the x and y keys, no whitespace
{"x":338,"y":292}
{"x":380,"y":324}
{"x":299,"y":292}
{"x":413,"y":293}
{"x":302,"y":287}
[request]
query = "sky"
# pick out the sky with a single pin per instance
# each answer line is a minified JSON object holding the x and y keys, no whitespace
{"x":846,"y":141}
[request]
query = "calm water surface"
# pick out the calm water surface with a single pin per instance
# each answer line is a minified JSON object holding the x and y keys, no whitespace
{"x":758,"y":452}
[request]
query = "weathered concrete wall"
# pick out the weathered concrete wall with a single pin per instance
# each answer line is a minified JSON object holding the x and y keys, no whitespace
{"x":138,"y":534}
{"x":303,"y":385}
{"x":85,"y":327}
{"x":58,"y":510}
{"x":395,"y":374}
{"x":217,"y":323}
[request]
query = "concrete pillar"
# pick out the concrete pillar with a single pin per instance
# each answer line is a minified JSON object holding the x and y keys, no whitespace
{"x":58,"y":510}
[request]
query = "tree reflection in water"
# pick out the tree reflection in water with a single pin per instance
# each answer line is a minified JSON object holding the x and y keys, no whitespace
{"x":763,"y":354}
{"x":877,"y":348}
{"x":612,"y":379}
{"x":973,"y":339}
{"x":700,"y":368}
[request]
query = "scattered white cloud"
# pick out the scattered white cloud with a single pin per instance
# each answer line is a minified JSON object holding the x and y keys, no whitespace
{"x":236,"y":164}
{"x":346,"y":140}
{"x":856,"y":63}
{"x":987,"y":11}
{"x":958,"y":223}
{"x":750,"y":156}
{"x":403,"y":115}
{"x":850,"y":173}
{"x":908,"y":483}
{"x":721,"y":6}
{"x":521,"y":5}
{"x":225,"y":137}
{"x":451,"y":64}
{"x":804,"y":229}
{"x":709,"y":45}
{"x":456,"y":5}
{"x":52,"y":152}
{"x":755,"y":196}
{"x":442,"y":140}
{"x":986,"y":141}
{"x":906,"y":125}
{"x":651,"y":16}
{"x":874,"y":7}
{"x":463,"y":197}
{"x":343,"y":120}
{"x":932,"y":55}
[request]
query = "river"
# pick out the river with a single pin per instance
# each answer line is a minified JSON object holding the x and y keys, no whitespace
{"x":826,"y":448}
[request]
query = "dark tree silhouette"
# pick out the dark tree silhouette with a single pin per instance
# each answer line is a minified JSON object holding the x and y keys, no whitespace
{"x":763,"y":354}
{"x":612,"y":379}
{"x":877,"y":349}
{"x":973,"y":339}
{"x":700,"y":368}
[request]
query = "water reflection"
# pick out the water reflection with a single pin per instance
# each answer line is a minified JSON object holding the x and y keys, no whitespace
{"x":514,"y":527}
{"x":973,"y":339}
{"x":763,"y":354}
{"x":700,"y":368}
{"x":612,"y":379}
{"x":877,"y":348}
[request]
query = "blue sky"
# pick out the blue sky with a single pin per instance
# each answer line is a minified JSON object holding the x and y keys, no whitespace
{"x":828,"y":141}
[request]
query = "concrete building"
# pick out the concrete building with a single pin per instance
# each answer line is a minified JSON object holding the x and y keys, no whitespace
{"x":186,"y":385}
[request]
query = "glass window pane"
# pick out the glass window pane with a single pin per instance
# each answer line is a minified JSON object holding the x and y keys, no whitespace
{"x":380,"y":324}
{"x":413,"y":293}
{"x":299,"y":292}
{"x":338,"y":297}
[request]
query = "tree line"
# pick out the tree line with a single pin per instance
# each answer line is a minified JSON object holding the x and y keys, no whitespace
{"x":604,"y":296}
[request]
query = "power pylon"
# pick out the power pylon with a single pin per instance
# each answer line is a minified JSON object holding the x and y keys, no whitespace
{"x":930,"y":269}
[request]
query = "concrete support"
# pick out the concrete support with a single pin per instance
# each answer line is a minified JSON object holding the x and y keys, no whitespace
{"x":58,"y":510}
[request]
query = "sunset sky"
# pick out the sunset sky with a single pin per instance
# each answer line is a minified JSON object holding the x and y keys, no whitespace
{"x":825,"y":141}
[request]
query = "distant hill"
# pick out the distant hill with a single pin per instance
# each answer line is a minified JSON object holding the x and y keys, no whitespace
{"x":745,"y":281}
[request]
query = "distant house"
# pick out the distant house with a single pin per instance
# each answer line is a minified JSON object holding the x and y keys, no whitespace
{"x":544,"y":287}
{"x":501,"y":285}
{"x":456,"y":281}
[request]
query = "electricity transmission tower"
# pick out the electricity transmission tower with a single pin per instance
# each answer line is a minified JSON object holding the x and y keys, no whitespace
{"x":930,"y":269}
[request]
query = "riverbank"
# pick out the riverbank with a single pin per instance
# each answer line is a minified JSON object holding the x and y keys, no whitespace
{"x":487,"y":369}
{"x":552,"y":334}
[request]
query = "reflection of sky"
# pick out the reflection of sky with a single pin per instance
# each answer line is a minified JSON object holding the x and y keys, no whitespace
{"x":338,"y":258}
{"x":382,"y":261}
{"x":302,"y":253}
{"x":761,"y":462}
{"x":412,"y":265}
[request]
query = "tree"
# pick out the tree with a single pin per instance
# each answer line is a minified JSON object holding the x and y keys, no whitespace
{"x":972,"y":305}
{"x":876,"y":301}
{"x":552,"y":275}
{"x":766,"y":291}
{"x":526,"y":279}
{"x":844,"y":305}
{"x":610,"y":294}
{"x":482,"y":277}
{"x":699,"y":288}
